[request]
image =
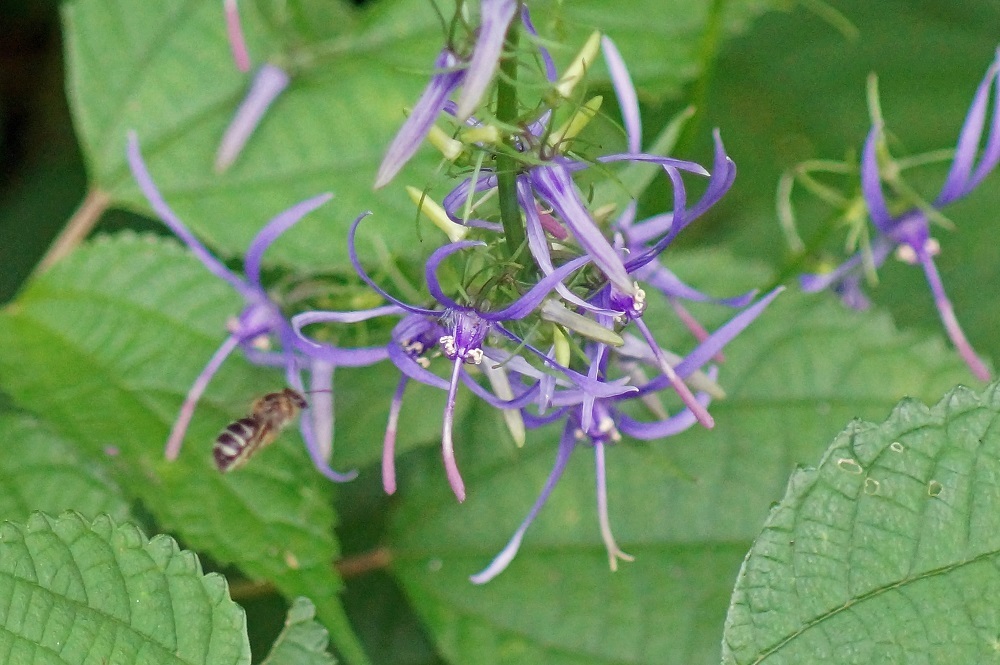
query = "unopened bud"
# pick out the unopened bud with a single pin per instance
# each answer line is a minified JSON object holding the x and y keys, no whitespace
{"x":447,"y":146}
{"x":576,"y":123}
{"x":437,"y":215}
{"x":579,"y":66}
{"x":554,"y":312}
{"x":487,"y":134}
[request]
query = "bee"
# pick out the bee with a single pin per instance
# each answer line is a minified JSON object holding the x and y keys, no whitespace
{"x":243,"y":438}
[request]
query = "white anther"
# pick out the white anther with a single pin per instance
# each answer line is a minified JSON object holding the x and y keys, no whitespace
{"x":906,"y":254}
{"x":447,"y":343}
{"x":932,"y":247}
{"x":473,"y":356}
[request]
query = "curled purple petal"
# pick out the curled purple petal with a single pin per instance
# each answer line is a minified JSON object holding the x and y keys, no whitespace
{"x":160,"y":207}
{"x":507,"y":554}
{"x":447,"y":443}
{"x":555,"y":185}
{"x":625,"y":90}
{"x":352,"y":252}
{"x":176,"y":438}
{"x":389,"y":441}
{"x":951,"y":324}
{"x":614,"y":552}
{"x":960,"y":180}
{"x":871,"y":183}
{"x":284,"y":221}
{"x":550,"y":66}
{"x":268,"y":84}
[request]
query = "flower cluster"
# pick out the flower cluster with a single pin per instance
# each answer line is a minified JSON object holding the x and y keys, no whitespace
{"x":907,"y":229}
{"x":541,"y":312}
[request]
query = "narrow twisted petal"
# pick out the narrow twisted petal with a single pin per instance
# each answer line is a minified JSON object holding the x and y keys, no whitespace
{"x":426,"y":111}
{"x":721,"y":337}
{"x":722,"y":178}
{"x":533,"y":297}
{"x":881,"y":247}
{"x":447,"y":442}
{"x":176,"y":438}
{"x":682,"y":164}
{"x":352,"y":252}
{"x":961,"y":180}
{"x":281,"y":223}
{"x":507,"y":554}
{"x":550,"y":66}
{"x":596,"y":365}
{"x":554,"y":184}
{"x":625,"y":91}
{"x":951,"y":324}
{"x":643,"y":255}
{"x":614,"y":552}
{"x":160,"y":207}
{"x":500,"y":382}
{"x":389,"y":441}
{"x":316,"y":454}
{"x":586,"y":384}
{"x":665,"y":427}
{"x":268,"y":84}
{"x":321,"y":405}
{"x":412,"y":369}
{"x":675,"y":380}
{"x":456,"y":198}
{"x":497,"y":401}
{"x":353,"y":357}
{"x":495,"y":16}
{"x":667,"y":283}
{"x":871,"y":183}
{"x":234,"y":31}
{"x":538,"y":245}
{"x":300,"y":321}
{"x":435,"y":259}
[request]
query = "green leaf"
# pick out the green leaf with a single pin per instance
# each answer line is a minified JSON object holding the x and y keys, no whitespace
{"x":106,"y":345}
{"x":40,"y":471}
{"x":687,"y":508}
{"x":889,"y":549}
{"x":163,"y":68}
{"x":302,"y":641}
{"x":72,"y":591}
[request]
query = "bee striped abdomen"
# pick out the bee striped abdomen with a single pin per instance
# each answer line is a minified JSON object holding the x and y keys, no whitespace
{"x":236,"y":443}
{"x":244,"y":437}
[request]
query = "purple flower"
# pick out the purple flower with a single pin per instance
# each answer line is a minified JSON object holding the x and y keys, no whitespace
{"x":259,"y":324}
{"x":550,"y":181}
{"x":600,"y":422}
{"x":459,"y":333}
{"x":908,"y":233}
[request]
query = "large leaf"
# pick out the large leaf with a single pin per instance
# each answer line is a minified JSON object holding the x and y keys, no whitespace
{"x":106,"y":345}
{"x":163,"y":68}
{"x":41,"y":471}
{"x":888,"y":552}
{"x":688,"y":508}
{"x":72,"y":591}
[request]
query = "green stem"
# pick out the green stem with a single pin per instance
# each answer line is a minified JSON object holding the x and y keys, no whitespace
{"x":510,"y":211}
